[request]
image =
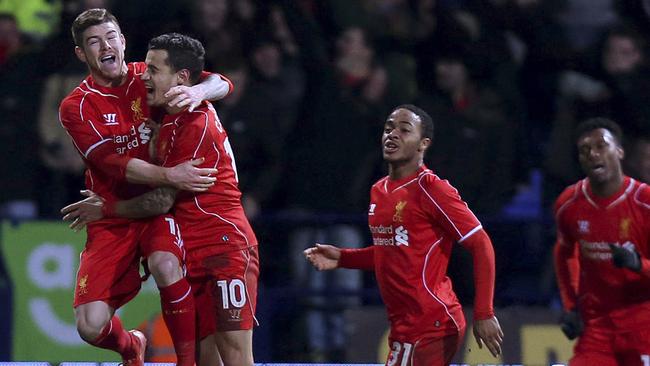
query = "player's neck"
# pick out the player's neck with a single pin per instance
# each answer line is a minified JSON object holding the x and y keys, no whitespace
{"x":399,"y":170}
{"x":607,"y":188}
{"x":111,"y":83}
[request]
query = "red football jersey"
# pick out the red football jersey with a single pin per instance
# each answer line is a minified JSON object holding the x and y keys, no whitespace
{"x":104,"y":121}
{"x":414,"y":222}
{"x":586,"y":225}
{"x":212,"y":221}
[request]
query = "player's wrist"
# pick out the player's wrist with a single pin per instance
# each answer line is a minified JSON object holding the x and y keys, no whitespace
{"x":108,"y":209}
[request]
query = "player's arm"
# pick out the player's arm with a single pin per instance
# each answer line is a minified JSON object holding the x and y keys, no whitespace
{"x":486,"y":326}
{"x":567,"y":270}
{"x":447,"y":210}
{"x":212,"y":87}
{"x":153,"y":203}
{"x":325,"y":257}
{"x":96,"y":146}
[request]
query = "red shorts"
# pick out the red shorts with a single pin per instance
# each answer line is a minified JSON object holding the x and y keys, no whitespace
{"x":434,"y":351}
{"x":225,"y":291}
{"x":604,"y":344}
{"x":109,"y":266}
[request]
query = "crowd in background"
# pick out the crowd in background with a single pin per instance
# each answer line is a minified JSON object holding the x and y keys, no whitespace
{"x":505,"y":81}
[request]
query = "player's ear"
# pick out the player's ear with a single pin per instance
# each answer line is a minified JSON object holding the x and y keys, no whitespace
{"x":424,"y":144}
{"x":620,"y":152}
{"x":183,"y":77}
{"x":81,"y":55}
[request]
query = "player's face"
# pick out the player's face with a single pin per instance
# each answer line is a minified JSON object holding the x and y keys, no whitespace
{"x":402,"y":138}
{"x":159,"y":77}
{"x":102,"y":49}
{"x":600,"y":156}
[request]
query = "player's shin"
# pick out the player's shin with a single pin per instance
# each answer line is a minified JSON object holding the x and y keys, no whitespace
{"x":177,"y":303}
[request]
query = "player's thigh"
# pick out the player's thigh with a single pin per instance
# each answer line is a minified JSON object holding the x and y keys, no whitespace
{"x":435,"y":351}
{"x":633,"y":347}
{"x":594,"y":347}
{"x":234,"y":343}
{"x":233,"y":281}
{"x":204,"y":305}
{"x":208,"y":352}
{"x":109,"y":266}
{"x":161,"y":234}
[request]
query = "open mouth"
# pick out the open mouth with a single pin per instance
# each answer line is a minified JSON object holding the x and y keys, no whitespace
{"x":390,"y":146}
{"x":149,"y":89}
{"x":108,"y":59}
{"x":598,"y":168}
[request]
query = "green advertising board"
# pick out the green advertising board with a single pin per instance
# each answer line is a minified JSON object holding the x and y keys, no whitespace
{"x":42,"y":260}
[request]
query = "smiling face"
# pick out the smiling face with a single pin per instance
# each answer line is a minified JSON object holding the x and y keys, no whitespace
{"x":402,"y":140}
{"x":600,"y":156}
{"x":102,"y":49}
{"x":159,"y":77}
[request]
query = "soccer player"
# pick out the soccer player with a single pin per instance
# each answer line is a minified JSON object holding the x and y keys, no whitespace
{"x":222,"y":258}
{"x":414,"y":218}
{"x":106,"y":118}
{"x":601,"y":254}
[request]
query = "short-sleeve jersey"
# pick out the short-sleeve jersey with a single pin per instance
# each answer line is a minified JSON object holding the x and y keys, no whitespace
{"x":414,"y":222}
{"x":592,"y":223}
{"x":213,"y":221}
{"x":105,"y":120}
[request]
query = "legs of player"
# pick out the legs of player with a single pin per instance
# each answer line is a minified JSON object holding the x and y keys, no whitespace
{"x":235,"y":347}
{"x":177,"y":303}
{"x":208,"y":353}
{"x":98,"y":326}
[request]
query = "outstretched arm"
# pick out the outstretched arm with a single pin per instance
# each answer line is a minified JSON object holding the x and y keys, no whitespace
{"x":486,"y":326}
{"x":325,"y":257}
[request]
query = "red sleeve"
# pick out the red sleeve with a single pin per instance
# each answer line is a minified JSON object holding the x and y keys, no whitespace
{"x":643,"y":199}
{"x":567,"y":269}
{"x":90,"y":137}
{"x":448,"y":210}
{"x":363,"y":258}
{"x":480,"y":247}
{"x":565,"y":256}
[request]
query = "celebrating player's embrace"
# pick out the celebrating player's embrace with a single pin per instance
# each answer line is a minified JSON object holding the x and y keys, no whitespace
{"x":601,"y":254}
{"x":415,"y":217}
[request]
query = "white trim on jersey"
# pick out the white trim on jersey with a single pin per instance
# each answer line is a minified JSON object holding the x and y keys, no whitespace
{"x":460,"y":235}
{"x":196,"y":202}
{"x":424,"y":282}
{"x":636,"y":196}
{"x":618,"y":200}
{"x":85,"y":82}
{"x":94,"y":146}
{"x":472,"y":232}
{"x":205,"y":129}
{"x":130,"y":83}
{"x":246,"y":253}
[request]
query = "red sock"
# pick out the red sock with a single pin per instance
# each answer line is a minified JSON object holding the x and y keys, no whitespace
{"x":115,"y":338}
{"x":177,"y":303}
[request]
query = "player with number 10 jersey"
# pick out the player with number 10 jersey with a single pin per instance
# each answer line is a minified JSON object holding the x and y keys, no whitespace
{"x":222,"y":259}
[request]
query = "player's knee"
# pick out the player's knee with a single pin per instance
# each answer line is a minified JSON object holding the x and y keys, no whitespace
{"x":236,"y":357}
{"x":89,"y":327}
{"x":165,"y":268}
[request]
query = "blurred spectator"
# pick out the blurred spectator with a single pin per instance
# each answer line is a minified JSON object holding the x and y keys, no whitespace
{"x":216,"y":25}
{"x":585,"y":21}
{"x":476,"y":147}
{"x":617,"y":87}
{"x":21,"y":79}
{"x":337,"y":135}
{"x":637,"y":158}
{"x":259,"y":115}
{"x":37,"y":19}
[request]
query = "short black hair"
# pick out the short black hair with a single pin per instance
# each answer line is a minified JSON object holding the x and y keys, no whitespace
{"x":183,"y":52}
{"x":89,"y":18}
{"x":425,"y":119}
{"x":599,"y":122}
